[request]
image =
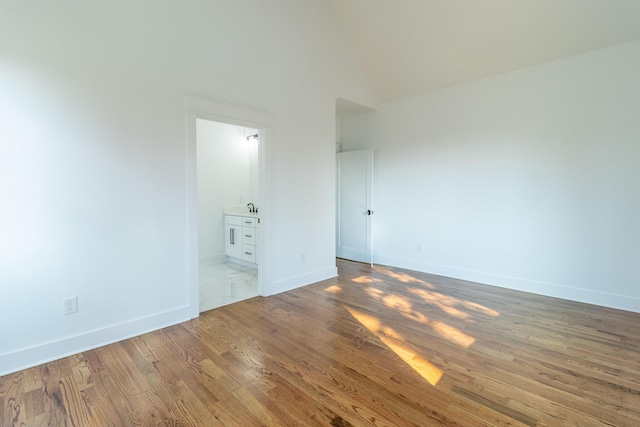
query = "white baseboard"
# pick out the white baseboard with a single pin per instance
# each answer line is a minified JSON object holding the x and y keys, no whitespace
{"x":243,"y":263}
{"x":47,"y":352}
{"x":303,"y":280}
{"x":620,"y":302}
{"x":212,"y":259}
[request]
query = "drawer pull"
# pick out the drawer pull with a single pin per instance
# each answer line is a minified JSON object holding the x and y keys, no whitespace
{"x":248,"y":253}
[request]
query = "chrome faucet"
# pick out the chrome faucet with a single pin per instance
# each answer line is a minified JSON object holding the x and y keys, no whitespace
{"x":252,"y":208}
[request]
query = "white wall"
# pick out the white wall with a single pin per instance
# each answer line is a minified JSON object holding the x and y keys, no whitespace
{"x":92,"y":155}
{"x":527,"y":180}
{"x":227,"y":177}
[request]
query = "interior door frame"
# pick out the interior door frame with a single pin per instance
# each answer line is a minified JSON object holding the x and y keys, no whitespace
{"x":197,"y":107}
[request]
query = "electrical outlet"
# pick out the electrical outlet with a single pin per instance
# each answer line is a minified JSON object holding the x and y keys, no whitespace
{"x":419,"y":247}
{"x":303,"y":257}
{"x":71,"y":305}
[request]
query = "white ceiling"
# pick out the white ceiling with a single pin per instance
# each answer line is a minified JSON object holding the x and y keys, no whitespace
{"x":407,"y":47}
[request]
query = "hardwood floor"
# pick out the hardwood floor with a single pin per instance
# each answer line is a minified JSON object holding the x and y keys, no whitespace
{"x":374,"y":347}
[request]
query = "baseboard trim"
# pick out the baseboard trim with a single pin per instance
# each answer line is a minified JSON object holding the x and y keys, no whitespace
{"x":54,"y":350}
{"x":242,"y":262}
{"x":603,"y":299}
{"x":213,"y":259}
{"x":303,"y":280}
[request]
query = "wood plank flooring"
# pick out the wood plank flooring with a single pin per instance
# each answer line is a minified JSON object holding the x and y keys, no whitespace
{"x":373,"y":347}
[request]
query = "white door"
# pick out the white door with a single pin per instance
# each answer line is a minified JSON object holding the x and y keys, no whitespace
{"x":353,"y":223}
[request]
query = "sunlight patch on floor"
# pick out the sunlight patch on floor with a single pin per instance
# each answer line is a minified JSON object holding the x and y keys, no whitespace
{"x":402,"y":277}
{"x":398,"y":302}
{"x":443,"y":302}
{"x":374,"y":292}
{"x":448,"y":304}
{"x":481,"y":308}
{"x":405,"y":307}
{"x":367,"y":279}
{"x":452,"y":334}
{"x":395,"y":343}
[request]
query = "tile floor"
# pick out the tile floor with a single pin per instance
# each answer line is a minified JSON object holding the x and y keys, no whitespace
{"x":226,"y":283}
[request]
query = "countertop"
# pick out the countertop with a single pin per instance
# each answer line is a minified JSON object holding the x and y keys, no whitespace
{"x":242,"y":211}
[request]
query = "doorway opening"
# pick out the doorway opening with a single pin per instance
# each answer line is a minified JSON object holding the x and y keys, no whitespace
{"x":253,"y":131}
{"x":354,"y":181}
{"x":228,"y":213}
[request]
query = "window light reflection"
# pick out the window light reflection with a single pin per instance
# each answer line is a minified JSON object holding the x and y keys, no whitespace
{"x":382,"y":289}
{"x":402,"y":277}
{"x":395,"y":343}
{"x":405,"y":307}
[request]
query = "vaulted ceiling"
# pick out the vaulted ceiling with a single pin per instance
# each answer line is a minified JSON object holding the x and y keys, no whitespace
{"x":408,"y":47}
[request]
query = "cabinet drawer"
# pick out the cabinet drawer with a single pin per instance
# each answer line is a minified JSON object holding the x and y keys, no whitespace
{"x":249,"y":253}
{"x":248,"y":235}
{"x":248,"y":222}
{"x":233,"y":220}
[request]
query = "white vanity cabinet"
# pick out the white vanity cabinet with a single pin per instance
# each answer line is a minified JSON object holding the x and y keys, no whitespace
{"x":241,"y":238}
{"x":233,"y":236}
{"x":249,"y":239}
